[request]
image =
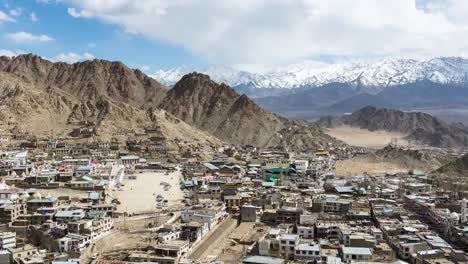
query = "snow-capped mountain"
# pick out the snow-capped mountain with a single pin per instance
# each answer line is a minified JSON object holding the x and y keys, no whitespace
{"x":372,"y":77}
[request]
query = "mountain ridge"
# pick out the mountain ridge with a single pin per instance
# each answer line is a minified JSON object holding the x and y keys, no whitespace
{"x":109,"y":96}
{"x":369,"y":77}
{"x":421,"y":128}
{"x":221,"y":111}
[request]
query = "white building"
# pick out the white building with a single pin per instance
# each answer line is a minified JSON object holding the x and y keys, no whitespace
{"x":14,"y":158}
{"x":301,"y":165}
{"x":188,"y":216}
{"x":7,"y":240}
{"x":306,"y":231}
{"x":355,"y":254}
{"x":74,"y":243}
{"x":288,"y":243}
{"x":130,"y":160}
{"x":464,"y":211}
{"x":308,"y":251}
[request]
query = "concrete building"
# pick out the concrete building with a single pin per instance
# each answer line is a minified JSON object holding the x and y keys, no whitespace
{"x":250,"y":213}
{"x":301,"y":165}
{"x":288,"y":243}
{"x":7,"y":240}
{"x":356,"y":254}
{"x":307,"y":252}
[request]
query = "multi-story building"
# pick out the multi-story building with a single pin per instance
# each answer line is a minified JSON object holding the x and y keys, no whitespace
{"x":10,"y":211}
{"x":73,"y":243}
{"x":288,"y":243}
{"x":288,"y":215}
{"x":307,"y":252}
{"x":7,"y":240}
{"x":301,"y":165}
{"x":94,"y":228}
{"x":37,"y":203}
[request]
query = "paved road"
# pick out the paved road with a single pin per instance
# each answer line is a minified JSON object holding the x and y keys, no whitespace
{"x":220,"y":233}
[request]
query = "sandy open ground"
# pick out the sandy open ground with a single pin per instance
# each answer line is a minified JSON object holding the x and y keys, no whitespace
{"x":365,"y":138}
{"x":138,"y":196}
{"x":63,"y":192}
{"x":349,"y":168}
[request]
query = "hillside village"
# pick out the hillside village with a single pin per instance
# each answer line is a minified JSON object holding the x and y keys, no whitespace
{"x":201,"y":174}
{"x":233,"y":132}
{"x":128,"y":201}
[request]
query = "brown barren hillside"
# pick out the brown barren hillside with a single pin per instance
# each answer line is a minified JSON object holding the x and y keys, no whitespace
{"x":221,"y":111}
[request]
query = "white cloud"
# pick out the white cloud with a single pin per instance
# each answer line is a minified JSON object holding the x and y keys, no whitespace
{"x":46,"y":2}
{"x":83,"y":13}
{"x":278,"y":32}
{"x":26,"y":37}
{"x":4,"y":17}
{"x":16,"y":12}
{"x":71,"y":57}
{"x":88,"y":56}
{"x":34,"y":17}
{"x":8,"y":53}
{"x":145,"y":68}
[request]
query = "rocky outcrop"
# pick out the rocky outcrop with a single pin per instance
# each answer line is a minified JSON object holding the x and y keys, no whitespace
{"x":29,"y":106}
{"x":221,"y":111}
{"x":88,"y":80}
{"x":43,"y":95}
{"x":419,"y":127}
{"x":458,"y":167}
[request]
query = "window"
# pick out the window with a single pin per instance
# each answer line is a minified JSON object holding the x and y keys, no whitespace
{"x":291,"y":243}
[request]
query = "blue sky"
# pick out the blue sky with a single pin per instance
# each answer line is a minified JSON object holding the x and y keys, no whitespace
{"x":247,"y":34}
{"x":79,"y":36}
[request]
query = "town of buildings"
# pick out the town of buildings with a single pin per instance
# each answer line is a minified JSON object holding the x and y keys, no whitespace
{"x":242,"y":205}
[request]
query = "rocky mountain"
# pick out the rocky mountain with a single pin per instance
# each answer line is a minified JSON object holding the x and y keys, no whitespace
{"x":456,"y":167}
{"x":221,"y":111}
{"x":89,"y":80}
{"x":391,"y":159}
{"x":38,"y":96}
{"x":366,"y":77}
{"x":419,"y":127}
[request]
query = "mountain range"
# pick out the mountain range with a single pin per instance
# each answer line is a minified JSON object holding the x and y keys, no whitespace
{"x":235,"y":118}
{"x":306,"y":91}
{"x":38,"y":96}
{"x":418,"y":127}
{"x":365,"y":77}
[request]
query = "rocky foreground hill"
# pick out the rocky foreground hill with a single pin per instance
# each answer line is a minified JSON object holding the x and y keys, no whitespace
{"x":42,"y":111}
{"x":420,"y":128}
{"x":38,"y":96}
{"x":220,"y":110}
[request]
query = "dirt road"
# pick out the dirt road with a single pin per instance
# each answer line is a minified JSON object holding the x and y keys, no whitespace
{"x":205,"y":247}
